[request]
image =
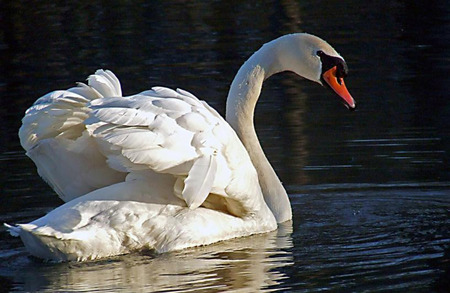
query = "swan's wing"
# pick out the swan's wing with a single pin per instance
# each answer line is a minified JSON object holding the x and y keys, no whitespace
{"x":101,"y":137}
{"x":55,"y":138}
{"x":168,"y":132}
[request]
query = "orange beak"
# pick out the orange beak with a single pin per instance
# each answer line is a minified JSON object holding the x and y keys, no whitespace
{"x":338,"y":86}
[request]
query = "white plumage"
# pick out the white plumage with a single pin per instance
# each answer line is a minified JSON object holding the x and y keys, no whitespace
{"x":158,"y":170}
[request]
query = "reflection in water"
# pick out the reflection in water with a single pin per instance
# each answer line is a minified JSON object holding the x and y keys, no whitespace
{"x":248,"y":264}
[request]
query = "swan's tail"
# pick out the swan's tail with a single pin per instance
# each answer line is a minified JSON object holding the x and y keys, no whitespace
{"x":43,"y":245}
{"x":13,"y":230}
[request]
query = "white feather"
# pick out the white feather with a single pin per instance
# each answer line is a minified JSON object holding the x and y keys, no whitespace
{"x":106,"y":83}
{"x":124,"y":116}
{"x":200,"y":180}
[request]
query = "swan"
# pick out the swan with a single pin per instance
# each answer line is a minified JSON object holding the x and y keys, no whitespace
{"x":161,"y":170}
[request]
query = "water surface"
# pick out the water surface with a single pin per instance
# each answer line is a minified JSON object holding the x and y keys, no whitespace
{"x":370,"y":189}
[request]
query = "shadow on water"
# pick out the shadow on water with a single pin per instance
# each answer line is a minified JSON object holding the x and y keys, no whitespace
{"x":370,"y":190}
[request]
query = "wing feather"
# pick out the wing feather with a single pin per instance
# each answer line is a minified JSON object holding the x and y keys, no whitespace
{"x":106,"y":83}
{"x":133,"y":138}
{"x":124,"y":116}
{"x":200,"y":180}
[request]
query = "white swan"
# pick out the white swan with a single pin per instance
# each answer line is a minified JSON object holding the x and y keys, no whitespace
{"x":161,"y":169}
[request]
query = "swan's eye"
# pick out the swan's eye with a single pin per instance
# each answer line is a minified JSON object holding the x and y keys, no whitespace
{"x":320,"y":53}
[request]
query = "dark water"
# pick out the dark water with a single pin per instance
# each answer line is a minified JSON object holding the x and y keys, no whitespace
{"x":370,"y":189}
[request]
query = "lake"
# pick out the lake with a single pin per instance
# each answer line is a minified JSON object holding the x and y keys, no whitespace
{"x":370,"y":189}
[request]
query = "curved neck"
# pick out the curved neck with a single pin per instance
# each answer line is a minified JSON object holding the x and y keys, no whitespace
{"x":241,"y":102}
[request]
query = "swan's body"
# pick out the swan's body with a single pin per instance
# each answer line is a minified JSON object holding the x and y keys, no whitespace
{"x":160,"y":170}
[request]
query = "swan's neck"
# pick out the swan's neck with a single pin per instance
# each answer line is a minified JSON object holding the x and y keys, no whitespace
{"x":242,"y":97}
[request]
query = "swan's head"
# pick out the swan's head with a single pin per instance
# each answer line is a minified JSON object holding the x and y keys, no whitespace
{"x":314,"y":59}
